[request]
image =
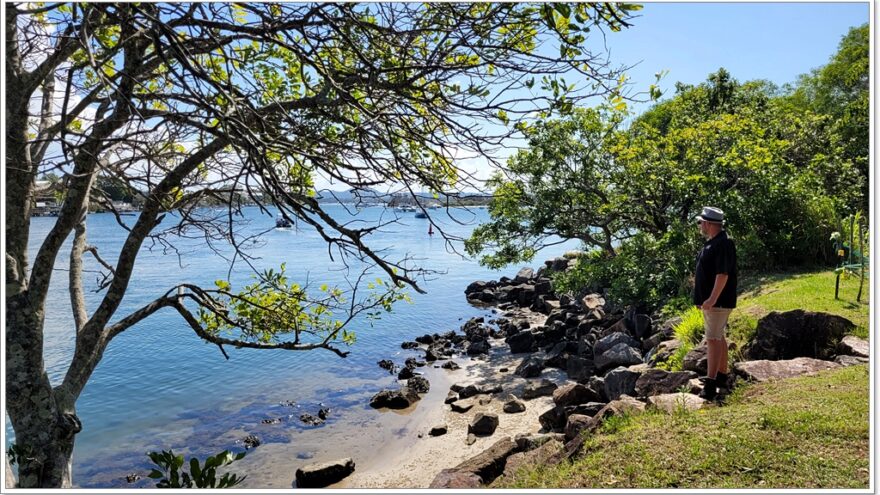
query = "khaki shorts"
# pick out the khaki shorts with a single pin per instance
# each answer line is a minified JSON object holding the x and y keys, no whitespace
{"x":715,"y":322}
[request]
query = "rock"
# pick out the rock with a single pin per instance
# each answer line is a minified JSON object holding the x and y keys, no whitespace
{"x":662,"y":351}
{"x":530,"y":367}
{"x":541,"y":388}
{"x":619,"y":355}
{"x":324,"y":474}
{"x":642,"y":326}
{"x":763,"y":370}
{"x":412,"y":362}
{"x":490,"y":389}
{"x":622,"y":325}
{"x":672,"y":403}
{"x":798,"y":333}
{"x":655,"y":382}
{"x":552,"y":419}
{"x":419,"y":384}
{"x":521,"y":342}
{"x":462,"y":406}
{"x":489,"y":464}
{"x":696,"y":360}
{"x":251,"y":442}
{"x":579,"y":368}
{"x":531,"y":441}
{"x":524,"y":275}
{"x":425,"y":339}
{"x":483,"y":424}
{"x":597,"y":384}
{"x":532,"y":457}
{"x":850,"y":360}
{"x":620,"y":381}
{"x":468,"y":391}
{"x":655,"y":340}
{"x":574,"y":393}
{"x":433,"y":353}
{"x":575,"y":424}
{"x":526,"y":295}
{"x":450,"y":365}
{"x":557,"y":264}
{"x":310,"y":420}
{"x":587,"y":409}
{"x":405,"y":374}
{"x":605,"y":343}
{"x":593,"y":301}
{"x":503,"y":370}
{"x":625,"y":404}
{"x":451,"y":478}
{"x":543,"y":286}
{"x":323,"y":412}
{"x":484,"y":401}
{"x":853,"y":346}
{"x":394,"y":399}
{"x":387,"y":364}
{"x":513,"y":406}
{"x":438,"y":430}
{"x":450,"y":397}
{"x":409,"y":345}
{"x":478,"y":347}
{"x":471,"y":439}
{"x":478,"y":286}
{"x":129,"y":478}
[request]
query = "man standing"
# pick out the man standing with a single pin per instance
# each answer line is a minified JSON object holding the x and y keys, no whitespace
{"x":715,"y":294}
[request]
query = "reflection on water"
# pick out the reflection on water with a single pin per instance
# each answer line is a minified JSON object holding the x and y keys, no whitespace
{"x":159,"y":387}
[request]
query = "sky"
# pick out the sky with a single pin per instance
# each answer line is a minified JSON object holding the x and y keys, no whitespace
{"x":772,"y":41}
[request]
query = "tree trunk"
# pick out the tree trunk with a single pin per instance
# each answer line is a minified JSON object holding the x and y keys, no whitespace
{"x":10,"y":476}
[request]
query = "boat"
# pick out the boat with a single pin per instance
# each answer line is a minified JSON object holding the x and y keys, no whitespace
{"x":282,"y":223}
{"x":406,"y":208}
{"x":421,"y":214}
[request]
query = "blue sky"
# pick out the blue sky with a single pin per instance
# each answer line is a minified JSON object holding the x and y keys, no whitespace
{"x":774,"y":41}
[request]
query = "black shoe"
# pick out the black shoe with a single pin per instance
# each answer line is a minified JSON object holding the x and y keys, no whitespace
{"x":722,"y":380}
{"x":710,"y":390}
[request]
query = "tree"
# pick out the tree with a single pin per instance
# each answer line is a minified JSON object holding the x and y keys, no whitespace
{"x":191,"y":101}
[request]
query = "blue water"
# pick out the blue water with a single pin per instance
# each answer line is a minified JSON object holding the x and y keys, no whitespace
{"x":159,"y":386}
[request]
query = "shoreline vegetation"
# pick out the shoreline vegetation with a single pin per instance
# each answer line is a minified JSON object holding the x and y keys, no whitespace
{"x":557,"y":422}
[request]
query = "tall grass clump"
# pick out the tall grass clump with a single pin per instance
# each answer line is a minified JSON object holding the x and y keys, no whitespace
{"x":689,"y":332}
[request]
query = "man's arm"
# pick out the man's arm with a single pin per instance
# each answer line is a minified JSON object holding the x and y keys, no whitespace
{"x":720,"y":282}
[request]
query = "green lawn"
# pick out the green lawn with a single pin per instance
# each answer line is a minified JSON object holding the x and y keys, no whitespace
{"x":808,"y":432}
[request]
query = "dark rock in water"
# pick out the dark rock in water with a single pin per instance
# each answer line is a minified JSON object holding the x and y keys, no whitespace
{"x":251,"y":441}
{"x":419,"y":384}
{"x":409,"y":345}
{"x":579,"y":368}
{"x":620,"y":381}
{"x":323,"y":412}
{"x":521,"y":342}
{"x":412,"y":362}
{"x":619,"y":355}
{"x":438,"y":430}
{"x":573,"y":394}
{"x":425,"y":339}
{"x":450,"y":365}
{"x":483,"y":424}
{"x":131,"y":478}
{"x":394,"y":399}
{"x":530,"y":367}
{"x":541,"y":388}
{"x":605,"y":343}
{"x":513,"y":406}
{"x":451,"y":397}
{"x":324,"y":474}
{"x":434,"y":353}
{"x":405,"y":374}
{"x":310,"y":420}
{"x":462,"y":406}
{"x":656,"y":382}
{"x":797,"y":333}
{"x":478,"y":286}
{"x":478,"y":347}
{"x":387,"y":364}
{"x":270,"y":421}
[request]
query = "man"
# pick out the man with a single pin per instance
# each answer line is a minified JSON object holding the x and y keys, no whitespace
{"x":715,"y":294}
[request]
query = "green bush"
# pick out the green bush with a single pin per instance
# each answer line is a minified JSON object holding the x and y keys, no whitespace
{"x":689,"y":332}
{"x":171,"y":475}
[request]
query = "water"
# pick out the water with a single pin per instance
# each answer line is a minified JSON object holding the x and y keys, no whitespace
{"x":159,"y":386}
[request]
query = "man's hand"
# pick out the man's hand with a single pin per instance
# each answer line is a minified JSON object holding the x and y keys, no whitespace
{"x":709,"y":303}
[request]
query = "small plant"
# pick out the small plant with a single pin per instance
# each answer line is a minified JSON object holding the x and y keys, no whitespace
{"x":689,"y":332}
{"x":205,"y":476}
{"x":614,"y":424}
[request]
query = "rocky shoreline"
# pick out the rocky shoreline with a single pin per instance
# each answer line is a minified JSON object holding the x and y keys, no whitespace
{"x":548,"y":368}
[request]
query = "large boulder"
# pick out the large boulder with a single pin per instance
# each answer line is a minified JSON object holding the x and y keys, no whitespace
{"x":605,"y":343}
{"x":532,"y":457}
{"x":524,"y":275}
{"x":579,"y":368}
{"x":483,"y":424}
{"x":853,"y":346}
{"x":655,"y":382}
{"x":395,"y":399}
{"x":763,"y":370}
{"x":574,"y":393}
{"x":453,"y":478}
{"x":530,"y":367}
{"x":672,"y":403}
{"x":696,"y":360}
{"x":553,"y":419}
{"x":662,"y":351}
{"x":521,"y":342}
{"x":490,"y":463}
{"x":575,"y":424}
{"x":462,"y":406}
{"x":514,"y":406}
{"x":850,"y":360}
{"x":620,"y":381}
{"x":593,"y":301}
{"x":478,"y":347}
{"x":797,"y":333}
{"x":619,"y":355}
{"x":541,"y":388}
{"x":625,"y":404}
{"x":642,"y":326}
{"x":419,"y":384}
{"x":324,"y":474}
{"x":587,"y":408}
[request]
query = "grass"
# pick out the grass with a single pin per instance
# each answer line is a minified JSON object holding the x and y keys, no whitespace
{"x":807,"y":432}
{"x":813,"y":291}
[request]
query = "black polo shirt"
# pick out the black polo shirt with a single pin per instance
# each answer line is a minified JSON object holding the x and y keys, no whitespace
{"x":718,"y":256}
